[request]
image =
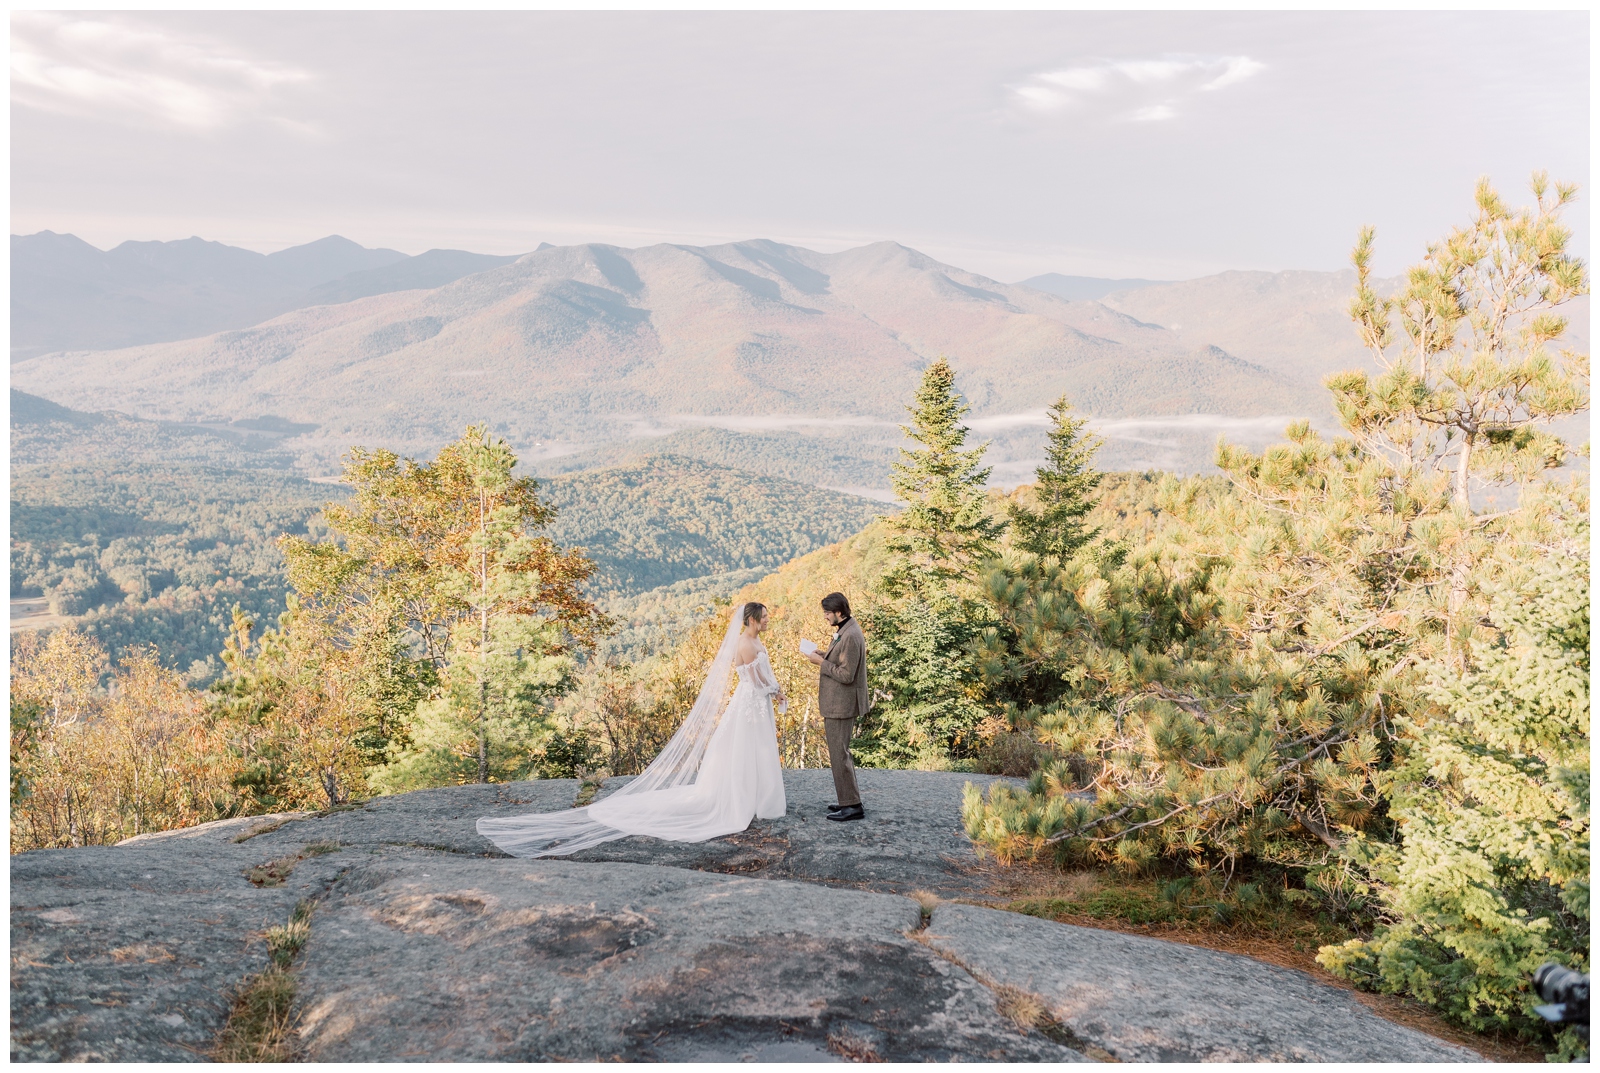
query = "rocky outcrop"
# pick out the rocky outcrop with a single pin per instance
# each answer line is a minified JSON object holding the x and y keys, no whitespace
{"x":791,"y":941}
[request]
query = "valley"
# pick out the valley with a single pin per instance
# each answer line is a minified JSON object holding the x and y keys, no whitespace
{"x":141,"y":532}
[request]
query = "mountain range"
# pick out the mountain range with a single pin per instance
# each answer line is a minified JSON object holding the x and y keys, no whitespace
{"x":795,"y":361}
{"x":69,"y":295}
{"x":582,"y":345}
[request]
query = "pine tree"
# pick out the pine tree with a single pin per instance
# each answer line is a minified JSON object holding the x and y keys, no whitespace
{"x":921,"y":633}
{"x":505,"y":657}
{"x":1212,"y":681}
{"x":944,"y":529}
{"x":1065,"y":490}
{"x":1468,"y":379}
{"x":1332,"y":666}
{"x":1491,"y":793}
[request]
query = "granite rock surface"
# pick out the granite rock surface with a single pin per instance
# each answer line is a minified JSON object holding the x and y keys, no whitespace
{"x":1147,"y":1000}
{"x":791,"y":941}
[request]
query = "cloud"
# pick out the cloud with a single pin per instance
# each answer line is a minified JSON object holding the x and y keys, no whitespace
{"x":99,"y":66}
{"x":1133,"y":91}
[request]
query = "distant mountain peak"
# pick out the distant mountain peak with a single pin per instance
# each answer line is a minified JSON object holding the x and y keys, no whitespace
{"x":69,"y":295}
{"x":1085,"y":288}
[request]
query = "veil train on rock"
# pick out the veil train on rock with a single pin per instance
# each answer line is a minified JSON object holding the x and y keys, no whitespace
{"x":691,"y":791}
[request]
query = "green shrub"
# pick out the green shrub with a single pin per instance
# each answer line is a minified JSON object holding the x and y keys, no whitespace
{"x":1491,"y":795}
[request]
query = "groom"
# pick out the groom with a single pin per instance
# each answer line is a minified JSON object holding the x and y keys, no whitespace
{"x":842,"y":695}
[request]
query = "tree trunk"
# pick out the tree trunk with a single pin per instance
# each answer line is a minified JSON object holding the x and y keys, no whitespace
{"x":484,"y":717}
{"x":483,"y":650}
{"x":1461,"y":569}
{"x":805,"y":723}
{"x":483,"y":699}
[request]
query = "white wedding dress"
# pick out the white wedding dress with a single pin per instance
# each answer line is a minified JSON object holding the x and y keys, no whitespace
{"x":719,"y":771}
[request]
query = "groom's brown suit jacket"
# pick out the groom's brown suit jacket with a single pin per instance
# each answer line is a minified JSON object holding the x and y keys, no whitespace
{"x":842,"y":691}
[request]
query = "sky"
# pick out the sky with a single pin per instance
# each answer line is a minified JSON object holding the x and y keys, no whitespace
{"x":1161,"y":145}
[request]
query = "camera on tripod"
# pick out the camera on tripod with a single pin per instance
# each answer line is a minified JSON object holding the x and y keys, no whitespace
{"x":1566,"y":996}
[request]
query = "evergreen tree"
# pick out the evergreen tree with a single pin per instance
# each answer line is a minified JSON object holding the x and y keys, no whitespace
{"x":1468,"y":379}
{"x":505,"y":658}
{"x":1064,"y":494}
{"x":944,"y":529}
{"x":1332,"y":666}
{"x":1227,"y":684}
{"x":1491,"y":794}
{"x":921,"y":633}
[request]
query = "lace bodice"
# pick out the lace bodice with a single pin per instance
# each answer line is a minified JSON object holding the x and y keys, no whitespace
{"x":758,"y":672}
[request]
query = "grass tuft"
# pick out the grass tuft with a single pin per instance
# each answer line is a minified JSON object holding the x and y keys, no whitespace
{"x":1022,"y":1008}
{"x":258,"y":1027}
{"x":272,"y":873}
{"x":265,"y":828}
{"x":853,"y":1048}
{"x":284,"y":943}
{"x":275,"y":873}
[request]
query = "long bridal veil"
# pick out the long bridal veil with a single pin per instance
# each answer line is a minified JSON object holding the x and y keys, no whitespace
{"x":549,"y":834}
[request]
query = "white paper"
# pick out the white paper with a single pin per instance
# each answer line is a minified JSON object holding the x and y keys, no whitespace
{"x":808,"y":647}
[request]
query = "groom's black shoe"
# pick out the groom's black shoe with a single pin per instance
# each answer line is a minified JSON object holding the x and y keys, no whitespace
{"x":836,"y":808}
{"x":849,"y":812}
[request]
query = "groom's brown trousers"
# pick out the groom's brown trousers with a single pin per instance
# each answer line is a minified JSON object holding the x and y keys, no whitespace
{"x":838,"y":733}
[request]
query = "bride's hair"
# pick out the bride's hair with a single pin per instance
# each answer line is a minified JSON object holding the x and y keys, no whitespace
{"x":753,"y":611}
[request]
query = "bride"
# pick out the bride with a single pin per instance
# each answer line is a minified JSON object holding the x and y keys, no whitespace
{"x":717,"y":772}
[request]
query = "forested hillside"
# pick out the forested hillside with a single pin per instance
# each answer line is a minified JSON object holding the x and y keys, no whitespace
{"x":597,"y":338}
{"x":670,"y":535}
{"x":669,"y":519}
{"x":149,"y":532}
{"x":145,"y":553}
{"x":860,"y":458}
{"x":44,"y":432}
